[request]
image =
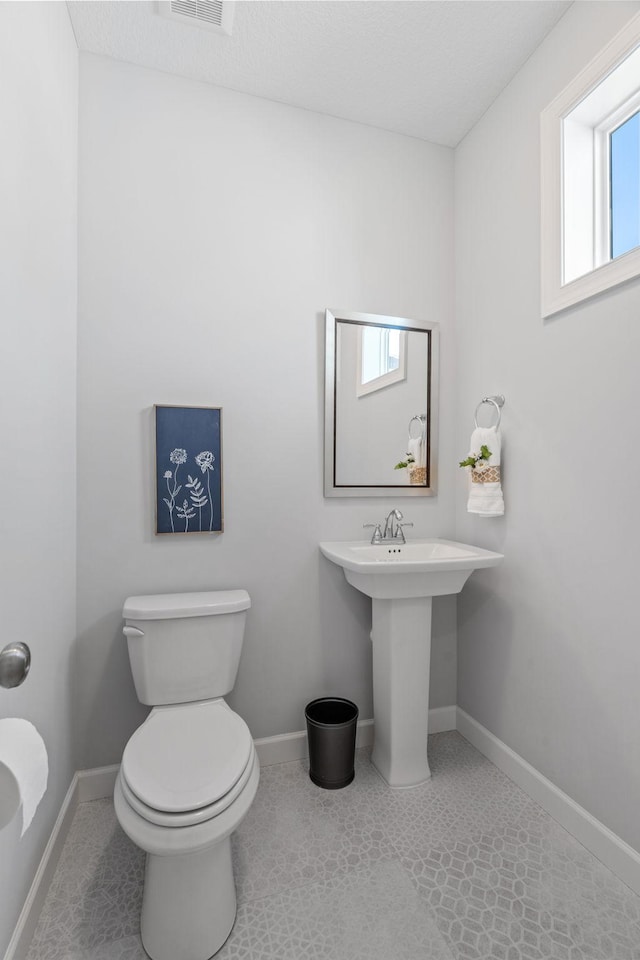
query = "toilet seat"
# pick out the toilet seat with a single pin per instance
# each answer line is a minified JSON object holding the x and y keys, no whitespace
{"x":189,"y":817}
{"x":187,"y":763}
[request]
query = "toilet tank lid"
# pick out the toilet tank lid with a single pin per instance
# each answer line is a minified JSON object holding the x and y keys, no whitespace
{"x":169,"y":606}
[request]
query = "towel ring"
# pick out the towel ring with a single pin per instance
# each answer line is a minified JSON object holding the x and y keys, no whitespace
{"x":497,"y":401}
{"x":420,"y":417}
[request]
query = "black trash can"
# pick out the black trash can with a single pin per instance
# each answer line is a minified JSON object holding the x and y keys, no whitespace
{"x":331,"y":731}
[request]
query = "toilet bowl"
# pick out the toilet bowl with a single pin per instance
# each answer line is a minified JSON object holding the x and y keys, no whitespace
{"x":188,"y":775}
{"x":183,"y":820}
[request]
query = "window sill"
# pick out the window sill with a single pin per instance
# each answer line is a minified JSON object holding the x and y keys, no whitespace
{"x":557,"y":297}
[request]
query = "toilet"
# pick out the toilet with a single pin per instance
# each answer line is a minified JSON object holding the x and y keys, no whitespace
{"x":190,"y":772}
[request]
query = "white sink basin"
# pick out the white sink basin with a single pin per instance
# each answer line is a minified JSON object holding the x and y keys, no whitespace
{"x":419,"y":568}
{"x":401,"y":579}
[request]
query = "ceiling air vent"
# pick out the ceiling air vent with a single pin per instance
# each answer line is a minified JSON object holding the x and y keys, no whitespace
{"x":216,"y":15}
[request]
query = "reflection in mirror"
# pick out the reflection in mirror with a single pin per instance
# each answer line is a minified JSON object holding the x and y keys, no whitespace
{"x":381,"y":357}
{"x":380,"y":405}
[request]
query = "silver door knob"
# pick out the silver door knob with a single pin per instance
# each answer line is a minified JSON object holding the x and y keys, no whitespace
{"x":15,"y":661}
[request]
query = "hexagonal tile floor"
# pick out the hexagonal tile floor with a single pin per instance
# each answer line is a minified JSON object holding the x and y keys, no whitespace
{"x":466,"y":867}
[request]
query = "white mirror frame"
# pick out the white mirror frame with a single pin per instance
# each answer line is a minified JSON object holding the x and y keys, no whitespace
{"x":332,"y":318}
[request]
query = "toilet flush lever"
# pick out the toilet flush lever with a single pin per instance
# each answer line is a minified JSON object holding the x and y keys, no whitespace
{"x":132,"y":632}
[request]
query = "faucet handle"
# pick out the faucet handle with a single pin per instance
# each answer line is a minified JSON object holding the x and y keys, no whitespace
{"x":400,"y":532}
{"x":377,"y":533}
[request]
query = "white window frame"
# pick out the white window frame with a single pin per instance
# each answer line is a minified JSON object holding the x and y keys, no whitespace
{"x":562,"y":199}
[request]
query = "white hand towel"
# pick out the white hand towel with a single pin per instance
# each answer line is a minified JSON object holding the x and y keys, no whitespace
{"x":486,"y":498}
{"x":415,"y":447}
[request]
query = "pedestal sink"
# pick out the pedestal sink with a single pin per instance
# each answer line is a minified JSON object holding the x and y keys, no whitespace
{"x":401,"y":579}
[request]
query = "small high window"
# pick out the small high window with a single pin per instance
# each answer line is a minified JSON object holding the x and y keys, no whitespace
{"x":590,"y":138}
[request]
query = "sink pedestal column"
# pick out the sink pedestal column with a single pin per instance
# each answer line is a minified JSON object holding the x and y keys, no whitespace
{"x":401,"y":637}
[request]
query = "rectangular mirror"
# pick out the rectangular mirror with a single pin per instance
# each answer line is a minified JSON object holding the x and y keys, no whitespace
{"x":381,"y":390}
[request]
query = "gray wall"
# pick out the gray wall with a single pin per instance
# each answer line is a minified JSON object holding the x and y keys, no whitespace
{"x":549,"y":658}
{"x":38,"y":189}
{"x":214,"y":229}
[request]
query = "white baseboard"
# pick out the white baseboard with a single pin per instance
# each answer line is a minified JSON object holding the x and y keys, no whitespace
{"x":26,"y":925}
{"x":442,"y":719}
{"x":98,"y":783}
{"x":621,"y":859}
{"x":285,"y":747}
{"x":293,"y":746}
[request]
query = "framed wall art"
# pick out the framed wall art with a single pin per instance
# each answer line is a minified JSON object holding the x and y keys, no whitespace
{"x":188,"y":469}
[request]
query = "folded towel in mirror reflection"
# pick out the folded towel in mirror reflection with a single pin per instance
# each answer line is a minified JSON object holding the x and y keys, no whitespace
{"x":485,"y":486}
{"x":416,"y":447}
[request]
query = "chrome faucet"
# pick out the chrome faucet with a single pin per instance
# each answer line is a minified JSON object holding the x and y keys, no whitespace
{"x":392,"y":529}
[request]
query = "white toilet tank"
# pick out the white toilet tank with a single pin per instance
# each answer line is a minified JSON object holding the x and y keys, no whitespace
{"x":185,"y":646}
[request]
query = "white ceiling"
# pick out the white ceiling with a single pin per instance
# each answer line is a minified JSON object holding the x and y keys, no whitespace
{"x":425,"y":68}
